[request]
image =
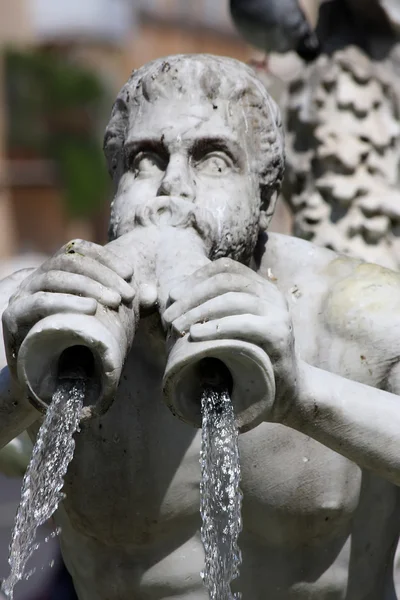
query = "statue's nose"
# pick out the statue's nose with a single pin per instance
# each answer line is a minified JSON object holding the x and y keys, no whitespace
{"x":177,"y":180}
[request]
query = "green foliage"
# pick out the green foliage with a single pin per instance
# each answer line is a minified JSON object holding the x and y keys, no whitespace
{"x":82,"y":172}
{"x":54,"y":108}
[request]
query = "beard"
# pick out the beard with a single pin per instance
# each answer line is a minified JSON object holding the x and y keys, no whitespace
{"x":231,"y":237}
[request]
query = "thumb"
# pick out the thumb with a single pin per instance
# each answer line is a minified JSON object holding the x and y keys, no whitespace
{"x":148,"y":295}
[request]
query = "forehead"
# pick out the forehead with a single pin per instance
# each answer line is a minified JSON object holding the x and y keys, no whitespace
{"x":188,"y":117}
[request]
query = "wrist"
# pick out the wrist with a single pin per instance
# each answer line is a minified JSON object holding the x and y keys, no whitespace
{"x":300,"y":401}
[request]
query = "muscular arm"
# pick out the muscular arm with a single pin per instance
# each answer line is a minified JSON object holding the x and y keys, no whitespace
{"x":361,"y":331}
{"x":16,"y":413}
{"x":356,"y":333}
{"x":356,"y":420}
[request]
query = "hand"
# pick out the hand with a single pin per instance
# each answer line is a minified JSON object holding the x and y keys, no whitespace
{"x":74,"y":280}
{"x":226,"y":300}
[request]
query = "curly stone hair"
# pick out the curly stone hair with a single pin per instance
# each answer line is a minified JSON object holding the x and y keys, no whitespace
{"x":216,"y":78}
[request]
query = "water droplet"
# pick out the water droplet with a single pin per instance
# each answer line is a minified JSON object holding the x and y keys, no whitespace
{"x":30,"y":573}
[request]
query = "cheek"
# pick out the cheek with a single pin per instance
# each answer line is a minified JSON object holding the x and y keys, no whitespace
{"x":135,"y":191}
{"x":234,"y":209}
{"x":131,"y":194}
{"x":234,"y":202}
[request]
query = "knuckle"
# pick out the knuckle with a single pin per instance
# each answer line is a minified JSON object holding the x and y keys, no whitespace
{"x":224,"y":264}
{"x":40,"y":300}
{"x":230,"y":297}
{"x":50,"y":265}
{"x":67,"y":262}
{"x":13,"y":298}
{"x":225,"y":281}
{"x":73,"y":246}
{"x":76,"y":242}
{"x":8,"y":317}
{"x":46,"y":281}
{"x":109,"y":253}
{"x":263,"y":326}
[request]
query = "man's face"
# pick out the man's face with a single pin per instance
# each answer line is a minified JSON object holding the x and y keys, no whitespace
{"x":198,"y":152}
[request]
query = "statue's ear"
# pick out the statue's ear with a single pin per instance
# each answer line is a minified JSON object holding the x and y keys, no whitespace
{"x":268,"y":203}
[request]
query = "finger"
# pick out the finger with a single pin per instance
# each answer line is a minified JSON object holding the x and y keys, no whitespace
{"x":229,"y":304}
{"x":208,"y":289}
{"x":31,"y":309}
{"x":79,"y":285}
{"x":222,"y":265}
{"x":148,"y":295}
{"x":91,"y":268}
{"x":261,"y":331}
{"x":103,"y":254}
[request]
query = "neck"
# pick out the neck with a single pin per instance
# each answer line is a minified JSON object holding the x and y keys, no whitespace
{"x":259,"y":251}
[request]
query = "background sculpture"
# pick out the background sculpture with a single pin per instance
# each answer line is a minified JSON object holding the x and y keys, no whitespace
{"x":342,"y":121}
{"x":343,"y":149}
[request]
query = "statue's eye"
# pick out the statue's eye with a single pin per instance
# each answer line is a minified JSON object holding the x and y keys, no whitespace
{"x":148,"y":163}
{"x":214,"y":163}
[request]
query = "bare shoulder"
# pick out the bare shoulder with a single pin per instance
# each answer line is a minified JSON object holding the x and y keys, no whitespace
{"x":361,"y":318}
{"x":353,"y":301}
{"x":292,"y":261}
{"x":366,"y":302}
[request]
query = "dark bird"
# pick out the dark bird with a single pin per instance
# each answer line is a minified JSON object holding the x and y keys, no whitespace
{"x":275,"y":26}
{"x":372,"y":25}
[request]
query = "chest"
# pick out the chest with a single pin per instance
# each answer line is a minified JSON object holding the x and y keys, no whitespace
{"x":135,"y":477}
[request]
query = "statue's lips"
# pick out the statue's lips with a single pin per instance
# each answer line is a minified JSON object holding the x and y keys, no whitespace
{"x":170,"y":210}
{"x":174,"y":211}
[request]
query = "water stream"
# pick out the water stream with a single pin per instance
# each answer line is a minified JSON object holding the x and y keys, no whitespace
{"x":220,"y":496}
{"x":41,"y":488}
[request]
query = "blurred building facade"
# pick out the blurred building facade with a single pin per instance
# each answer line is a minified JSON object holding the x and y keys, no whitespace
{"x":110,"y":37}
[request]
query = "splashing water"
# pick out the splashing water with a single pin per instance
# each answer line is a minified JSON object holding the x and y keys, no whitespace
{"x":44,"y":478}
{"x":220,"y":496}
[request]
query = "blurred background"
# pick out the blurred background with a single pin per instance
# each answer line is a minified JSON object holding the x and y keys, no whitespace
{"x":62,"y":63}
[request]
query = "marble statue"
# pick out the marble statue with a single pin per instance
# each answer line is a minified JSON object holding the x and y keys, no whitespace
{"x":195,"y":145}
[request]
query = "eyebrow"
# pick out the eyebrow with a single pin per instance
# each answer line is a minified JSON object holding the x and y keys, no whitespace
{"x":199,"y":146}
{"x":225,"y":144}
{"x":145,"y":145}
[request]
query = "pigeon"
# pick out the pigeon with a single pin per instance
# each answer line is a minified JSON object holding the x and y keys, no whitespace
{"x":276,"y":26}
{"x":372,"y":25}
{"x":383,"y":16}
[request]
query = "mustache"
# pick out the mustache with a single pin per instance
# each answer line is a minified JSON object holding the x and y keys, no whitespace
{"x":176,"y":212}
